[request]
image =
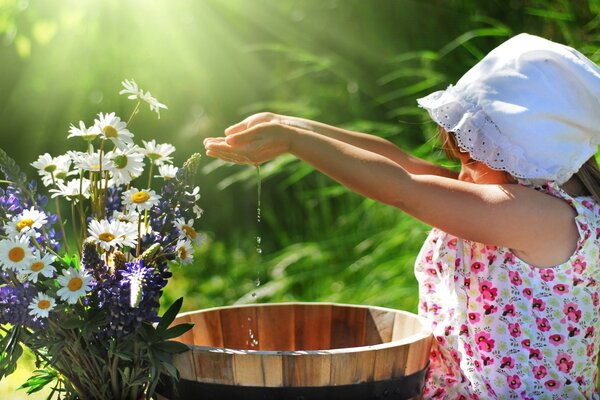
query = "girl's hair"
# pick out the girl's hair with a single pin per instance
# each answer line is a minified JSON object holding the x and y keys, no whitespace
{"x":588,"y":174}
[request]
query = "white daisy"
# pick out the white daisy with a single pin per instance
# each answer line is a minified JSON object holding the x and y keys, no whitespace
{"x":72,"y":189}
{"x":196,"y":195}
{"x":131,"y":88}
{"x":53,"y":167}
{"x":158,"y":153}
{"x":91,"y":161}
{"x":167,"y":171}
{"x":154,"y":104}
{"x":112,"y":128}
{"x":184,"y":251}
{"x":128,"y":164}
{"x":113,"y":234}
{"x":135,"y":93}
{"x":74,"y":284}
{"x":140,"y":199}
{"x":187,"y":231}
{"x":15,"y":253}
{"x":26,"y":223}
{"x":37,"y":266}
{"x":87,"y":134}
{"x":41,"y":305}
{"x":129,"y":217}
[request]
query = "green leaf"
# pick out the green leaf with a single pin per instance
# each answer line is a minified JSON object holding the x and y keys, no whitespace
{"x":171,"y":347}
{"x":176,"y":331}
{"x":38,"y":381}
{"x":169,"y":315}
{"x":72,"y":323}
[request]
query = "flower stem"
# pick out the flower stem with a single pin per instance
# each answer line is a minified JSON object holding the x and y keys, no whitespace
{"x":135,"y":110}
{"x":60,"y":219}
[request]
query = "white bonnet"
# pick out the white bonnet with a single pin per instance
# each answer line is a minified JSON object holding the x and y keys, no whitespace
{"x":530,"y":107}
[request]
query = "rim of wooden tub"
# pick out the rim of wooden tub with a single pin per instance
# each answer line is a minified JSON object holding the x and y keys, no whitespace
{"x":403,"y":357}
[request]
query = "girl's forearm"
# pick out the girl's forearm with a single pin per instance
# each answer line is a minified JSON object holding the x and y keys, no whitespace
{"x":374,"y":144}
{"x":358,"y":169}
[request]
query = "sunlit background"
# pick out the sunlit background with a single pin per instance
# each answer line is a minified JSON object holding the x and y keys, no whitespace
{"x":355,"y":63}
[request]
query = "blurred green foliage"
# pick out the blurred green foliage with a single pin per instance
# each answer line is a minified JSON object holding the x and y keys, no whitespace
{"x":354,"y":63}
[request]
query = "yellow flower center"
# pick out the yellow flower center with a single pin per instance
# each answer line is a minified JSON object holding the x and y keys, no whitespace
{"x":24,"y":223}
{"x":110,"y":131}
{"x":154,"y":156}
{"x":182,"y":253}
{"x":106,"y":236}
{"x":37,"y":266}
{"x":189,"y":231}
{"x":50,"y":168}
{"x":75,"y":284}
{"x":43,"y":304}
{"x":16,"y":254}
{"x":140,"y":197}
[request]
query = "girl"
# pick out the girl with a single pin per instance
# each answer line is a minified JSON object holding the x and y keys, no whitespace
{"x":508,"y":275}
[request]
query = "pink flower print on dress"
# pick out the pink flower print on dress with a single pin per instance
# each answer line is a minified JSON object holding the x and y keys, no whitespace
{"x":547,"y":274}
{"x":526,"y":343}
{"x":438,"y":394}
{"x":590,"y":350}
{"x":515,"y":278}
{"x":539,"y":372}
{"x":539,"y":304}
{"x":543,"y":324}
{"x":468,"y":350}
{"x":507,"y":362}
{"x":463,"y":330}
{"x":552,"y":384}
{"x":589,"y":332}
{"x":573,"y":331}
{"x":514,"y":330}
{"x":556,"y":339}
{"x":509,"y":309}
{"x":477,"y":365}
{"x":489,"y":309}
{"x":441,"y":341}
{"x":477,"y":267}
{"x":588,"y":204}
{"x":560,"y":288}
{"x":467,"y":283}
{"x":429,"y":257}
{"x":573,"y":312}
{"x":514,"y":382}
{"x":579,"y":264}
{"x":452,"y":243}
{"x":484,"y":341}
{"x":564,"y":362}
{"x":509,"y":258}
{"x":432,"y":271}
{"x":527,"y":292}
{"x":487,"y":290}
{"x":429,"y":288}
{"x":474,"y":317}
{"x":535,"y":354}
{"x":487,"y":361}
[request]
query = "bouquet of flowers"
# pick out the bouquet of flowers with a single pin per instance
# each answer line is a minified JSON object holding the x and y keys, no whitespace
{"x":82,"y":292}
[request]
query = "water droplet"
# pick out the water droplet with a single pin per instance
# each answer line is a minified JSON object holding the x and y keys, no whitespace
{"x":257,"y":282}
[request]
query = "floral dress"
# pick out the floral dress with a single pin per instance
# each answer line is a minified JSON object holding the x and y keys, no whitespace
{"x":505,"y":329}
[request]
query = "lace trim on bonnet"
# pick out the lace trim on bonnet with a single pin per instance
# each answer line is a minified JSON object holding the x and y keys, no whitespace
{"x":478,"y":135}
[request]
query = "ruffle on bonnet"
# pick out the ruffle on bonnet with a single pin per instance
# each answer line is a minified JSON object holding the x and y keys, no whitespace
{"x":531,"y":107}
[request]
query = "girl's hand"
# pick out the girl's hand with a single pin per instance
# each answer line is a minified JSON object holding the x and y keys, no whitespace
{"x":256,"y":119}
{"x":251,"y":142}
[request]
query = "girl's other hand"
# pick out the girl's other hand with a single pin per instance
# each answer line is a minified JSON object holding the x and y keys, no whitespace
{"x":253,"y":120}
{"x":251,"y":142}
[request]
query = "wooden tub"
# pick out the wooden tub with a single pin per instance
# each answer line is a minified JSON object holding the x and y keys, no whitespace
{"x":301,"y":351}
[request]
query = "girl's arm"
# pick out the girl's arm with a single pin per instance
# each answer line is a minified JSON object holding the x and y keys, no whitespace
{"x":371,"y":143}
{"x":538,"y":227}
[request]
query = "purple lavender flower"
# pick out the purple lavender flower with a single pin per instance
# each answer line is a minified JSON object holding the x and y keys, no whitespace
{"x":136,"y":282}
{"x":13,"y":306}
